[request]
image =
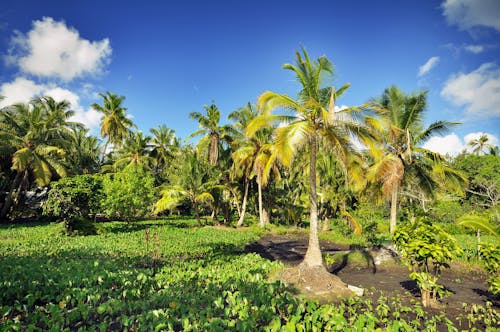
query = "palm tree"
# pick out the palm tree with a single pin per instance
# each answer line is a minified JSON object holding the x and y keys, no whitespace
{"x":314,"y":117}
{"x":191,"y":182}
{"x":241,"y":167}
{"x":115,"y":125}
{"x":164,"y":145}
{"x":479,"y":144}
{"x":37,"y":143}
{"x":83,"y":152}
{"x":135,"y":152}
{"x":214,"y":132}
{"x":400,"y":155}
{"x":256,"y":157}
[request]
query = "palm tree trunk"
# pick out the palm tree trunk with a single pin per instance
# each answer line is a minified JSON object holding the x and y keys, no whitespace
{"x":394,"y":207}
{"x":244,"y":204}
{"x":262,"y":222}
{"x":313,"y":255}
{"x":104,"y":152}
{"x":10,"y":197}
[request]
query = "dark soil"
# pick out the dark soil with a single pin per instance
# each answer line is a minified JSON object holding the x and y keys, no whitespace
{"x":466,"y":284}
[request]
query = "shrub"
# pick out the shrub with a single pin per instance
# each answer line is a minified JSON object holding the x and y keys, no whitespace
{"x":129,"y":194}
{"x":74,"y":200}
{"x":426,"y":249}
{"x":491,"y":257}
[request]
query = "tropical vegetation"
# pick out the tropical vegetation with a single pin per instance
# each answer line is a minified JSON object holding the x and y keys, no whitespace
{"x":284,"y":163}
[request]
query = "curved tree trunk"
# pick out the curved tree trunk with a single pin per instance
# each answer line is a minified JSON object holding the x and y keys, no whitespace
{"x":244,"y":204}
{"x":313,"y":255}
{"x":394,"y":210}
{"x":262,"y":222}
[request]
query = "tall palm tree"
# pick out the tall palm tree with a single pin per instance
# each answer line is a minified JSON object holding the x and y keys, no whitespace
{"x":314,"y":117}
{"x":240,"y":167}
{"x":214,"y":133}
{"x":401,"y":135}
{"x":479,"y":144}
{"x":256,"y":157}
{"x":37,"y":143}
{"x":115,"y":125}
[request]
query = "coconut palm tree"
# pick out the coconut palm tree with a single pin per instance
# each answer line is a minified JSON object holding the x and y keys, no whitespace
{"x":164,"y":145}
{"x":256,"y":157}
{"x":192,"y":182}
{"x":37,"y":143}
{"x":214,"y":133}
{"x":115,"y":125}
{"x":479,"y":144}
{"x":314,"y":116}
{"x":83,"y":152}
{"x":401,"y":156}
{"x":135,"y":151}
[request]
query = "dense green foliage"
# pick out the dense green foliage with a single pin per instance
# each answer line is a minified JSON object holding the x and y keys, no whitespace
{"x":128,"y":194}
{"x":483,"y":173}
{"x":198,"y":280}
{"x":426,"y":249}
{"x":74,"y":199}
{"x":490,"y":253}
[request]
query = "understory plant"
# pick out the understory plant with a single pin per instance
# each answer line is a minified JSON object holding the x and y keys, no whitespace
{"x":426,"y":249}
{"x":75,"y":201}
{"x":490,"y":255}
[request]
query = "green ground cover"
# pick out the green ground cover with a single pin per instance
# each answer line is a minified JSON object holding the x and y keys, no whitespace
{"x":165,"y":275}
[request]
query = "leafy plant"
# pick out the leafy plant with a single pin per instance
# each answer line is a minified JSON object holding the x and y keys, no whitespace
{"x":75,"y":200}
{"x":129,"y":193}
{"x":490,"y":254}
{"x":426,"y":249}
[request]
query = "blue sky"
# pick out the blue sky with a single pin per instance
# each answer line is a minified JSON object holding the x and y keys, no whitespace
{"x":171,"y":58}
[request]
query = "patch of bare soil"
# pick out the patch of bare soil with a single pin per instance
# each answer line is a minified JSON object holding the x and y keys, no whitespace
{"x":389,"y":278}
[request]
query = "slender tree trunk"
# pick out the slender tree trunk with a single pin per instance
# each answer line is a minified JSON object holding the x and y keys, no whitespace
{"x":244,"y":204}
{"x":196,"y":212}
{"x":10,"y":197}
{"x":104,"y":152}
{"x":262,"y":222}
{"x":313,"y":255}
{"x":394,"y":210}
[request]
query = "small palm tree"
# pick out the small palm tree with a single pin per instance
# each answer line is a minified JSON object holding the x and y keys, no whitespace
{"x":115,"y":125}
{"x":478,"y":145}
{"x":192,"y":182}
{"x":135,"y":152}
{"x":214,"y":133}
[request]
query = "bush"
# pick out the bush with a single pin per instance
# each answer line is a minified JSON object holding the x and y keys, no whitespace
{"x":426,"y":249}
{"x":490,"y":254}
{"x":74,"y":200}
{"x":129,"y":194}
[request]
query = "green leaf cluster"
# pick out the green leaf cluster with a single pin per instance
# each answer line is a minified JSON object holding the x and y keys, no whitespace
{"x":128,"y":194}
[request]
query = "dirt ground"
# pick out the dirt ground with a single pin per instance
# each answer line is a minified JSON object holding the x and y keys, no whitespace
{"x":390,"y":278}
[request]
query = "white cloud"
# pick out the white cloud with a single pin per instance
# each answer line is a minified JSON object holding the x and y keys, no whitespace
{"x":476,"y":49}
{"x":453,"y":145}
{"x":23,"y":90}
{"x":53,"y":50}
{"x":19,"y":91}
{"x":449,"y":144}
{"x":472,"y":136}
{"x":478,"y":91}
{"x":470,"y":13}
{"x":90,"y":118}
{"x":426,"y":67}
